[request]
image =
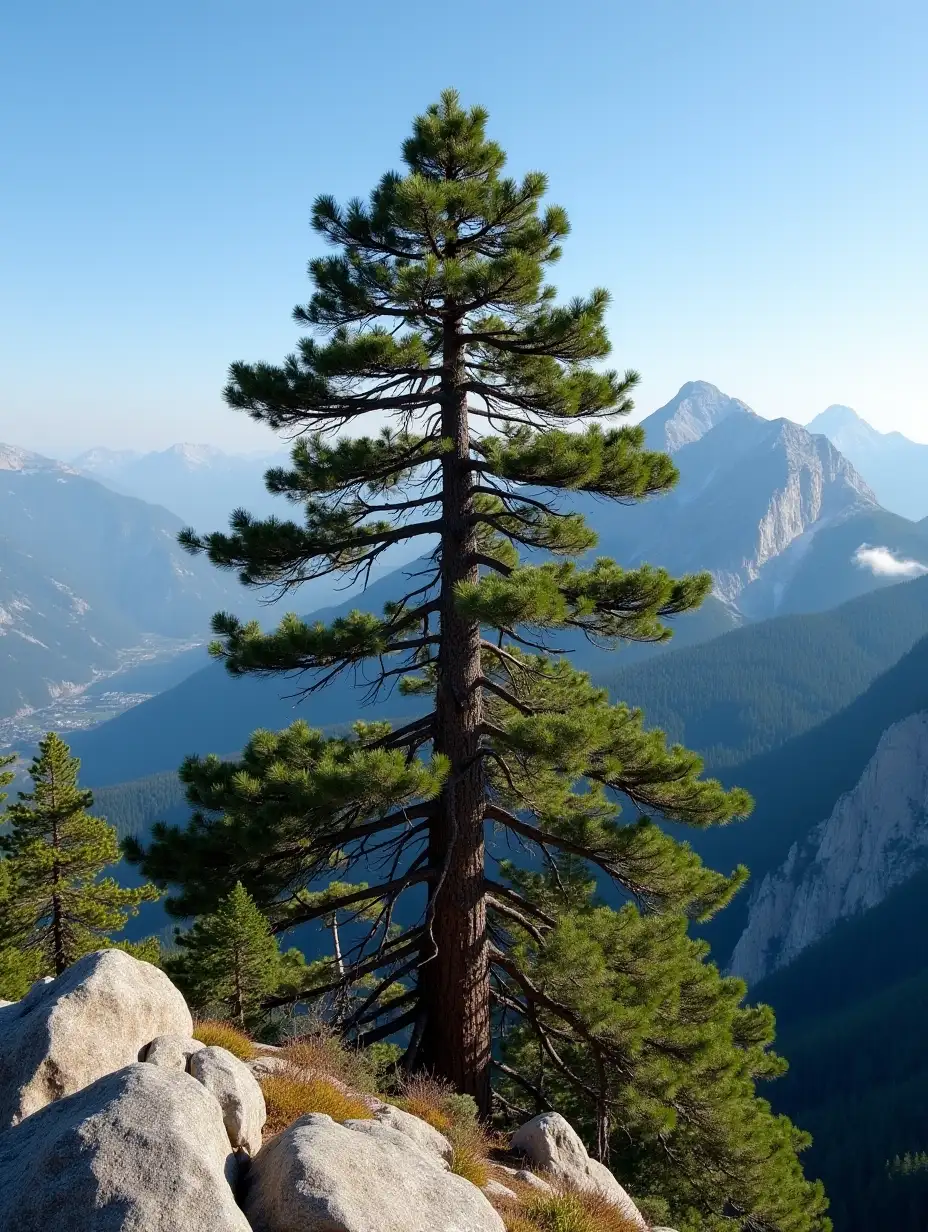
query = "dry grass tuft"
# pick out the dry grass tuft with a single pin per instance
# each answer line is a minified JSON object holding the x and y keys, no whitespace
{"x":519,"y":1223}
{"x":427,"y":1099}
{"x":213,"y":1033}
{"x":289,"y":1097}
{"x":455,"y":1117}
{"x":323,"y":1054}
{"x":469,"y":1157}
{"x":569,"y":1211}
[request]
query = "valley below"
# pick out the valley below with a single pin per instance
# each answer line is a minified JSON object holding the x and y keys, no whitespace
{"x":143,"y":671}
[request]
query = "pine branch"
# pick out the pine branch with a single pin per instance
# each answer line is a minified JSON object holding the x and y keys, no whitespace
{"x":358,"y":896}
{"x":545,"y":839}
{"x":387,"y":1029}
{"x":408,"y":943}
{"x":498,"y":890}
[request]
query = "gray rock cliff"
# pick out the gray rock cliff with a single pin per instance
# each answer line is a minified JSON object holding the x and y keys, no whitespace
{"x":875,"y":839}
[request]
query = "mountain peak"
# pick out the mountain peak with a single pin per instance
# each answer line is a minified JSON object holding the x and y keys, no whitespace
{"x":12,"y":458}
{"x":194,"y":455}
{"x":838,"y":411}
{"x":895,"y":467}
{"x":841,"y":420}
{"x":696,"y":408}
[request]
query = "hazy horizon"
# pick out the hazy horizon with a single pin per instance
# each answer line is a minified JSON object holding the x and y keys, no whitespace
{"x":274,"y":444}
{"x":747,"y":181}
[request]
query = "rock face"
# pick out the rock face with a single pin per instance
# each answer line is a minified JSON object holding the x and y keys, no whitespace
{"x":94,"y":1019}
{"x":527,"y":1177}
{"x":422,"y":1135}
{"x":141,"y":1150}
{"x":755,"y":498}
{"x":895,"y":467}
{"x":172,"y":1051}
{"x":555,"y":1148}
{"x":875,"y":839}
{"x":238,"y":1093}
{"x":318,"y":1176}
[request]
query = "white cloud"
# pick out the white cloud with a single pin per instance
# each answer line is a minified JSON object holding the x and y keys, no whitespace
{"x":884,"y":563}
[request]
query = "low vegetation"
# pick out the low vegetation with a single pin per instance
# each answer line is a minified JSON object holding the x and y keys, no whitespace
{"x":292,"y":1095}
{"x":215,"y":1033}
{"x":321,"y":1052}
{"x":567,"y":1212}
{"x":455,"y":1116}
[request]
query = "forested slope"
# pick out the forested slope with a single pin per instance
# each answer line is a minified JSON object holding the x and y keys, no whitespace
{"x":850,"y":1019}
{"x":742,"y":694}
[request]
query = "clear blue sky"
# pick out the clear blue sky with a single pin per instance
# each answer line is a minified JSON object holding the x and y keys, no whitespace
{"x":748,"y":177}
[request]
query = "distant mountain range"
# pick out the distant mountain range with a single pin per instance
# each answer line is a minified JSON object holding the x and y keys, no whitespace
{"x":777,"y":514}
{"x":896,"y":468}
{"x":200,"y":483}
{"x":85,"y":575}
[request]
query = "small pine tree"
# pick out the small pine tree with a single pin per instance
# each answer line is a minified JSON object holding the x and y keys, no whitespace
{"x":229,"y":958}
{"x":17,"y":970}
{"x":58,"y":907}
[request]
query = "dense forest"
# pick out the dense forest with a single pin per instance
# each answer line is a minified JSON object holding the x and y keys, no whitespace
{"x":132,"y":807}
{"x":743,"y":694}
{"x":850,"y":1017}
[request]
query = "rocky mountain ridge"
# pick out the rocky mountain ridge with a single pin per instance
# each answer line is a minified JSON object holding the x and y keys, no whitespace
{"x":896,"y":467}
{"x":754,"y":497}
{"x":86,"y":575}
{"x":875,"y":838}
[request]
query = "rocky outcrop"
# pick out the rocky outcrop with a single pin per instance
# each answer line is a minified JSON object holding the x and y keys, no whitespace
{"x":94,"y":1019}
{"x":264,"y":1066}
{"x":141,"y":1150}
{"x":319,"y":1176}
{"x":875,"y":838}
{"x":422,"y":1135}
{"x":118,"y":1120}
{"x":555,"y":1148}
{"x":496,"y":1191}
{"x":172,"y":1051}
{"x":238,"y":1093}
{"x":527,"y":1177}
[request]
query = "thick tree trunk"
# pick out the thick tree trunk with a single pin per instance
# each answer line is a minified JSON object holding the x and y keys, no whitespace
{"x":58,"y":946}
{"x":455,"y":983}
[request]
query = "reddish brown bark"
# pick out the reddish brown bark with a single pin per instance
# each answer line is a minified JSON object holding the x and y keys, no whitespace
{"x":455,"y":984}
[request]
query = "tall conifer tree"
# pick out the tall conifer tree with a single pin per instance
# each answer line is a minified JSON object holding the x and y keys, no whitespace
{"x":58,"y":906}
{"x":433,"y":312}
